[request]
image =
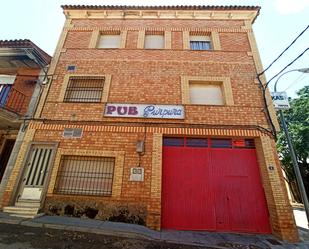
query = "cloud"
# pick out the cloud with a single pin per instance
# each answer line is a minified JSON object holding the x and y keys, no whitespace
{"x":285,"y":7}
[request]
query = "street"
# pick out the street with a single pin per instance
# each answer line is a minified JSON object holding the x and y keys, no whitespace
{"x":22,"y":237}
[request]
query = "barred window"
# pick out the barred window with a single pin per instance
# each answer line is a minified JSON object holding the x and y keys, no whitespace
{"x":84,"y":175}
{"x":84,"y":89}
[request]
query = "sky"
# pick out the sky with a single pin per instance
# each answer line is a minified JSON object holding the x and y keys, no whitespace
{"x":279,"y":23}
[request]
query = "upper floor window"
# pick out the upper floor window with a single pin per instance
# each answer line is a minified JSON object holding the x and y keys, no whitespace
{"x":155,"y":41}
{"x":206,"y":90}
{"x":200,"y":42}
{"x":84,"y":89}
{"x":109,"y":41}
{"x":204,"y":93}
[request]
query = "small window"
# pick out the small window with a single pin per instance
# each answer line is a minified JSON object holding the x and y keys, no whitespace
{"x":109,"y":41}
{"x":221,"y":143}
{"x":197,"y":142}
{"x":200,"y":43}
{"x":173,"y":141}
{"x":82,"y":175}
{"x":72,"y":132}
{"x":84,"y":89}
{"x":154,"y":41}
{"x":205,"y":93}
{"x":249,"y":143}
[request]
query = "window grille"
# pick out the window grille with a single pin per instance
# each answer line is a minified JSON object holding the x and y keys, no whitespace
{"x":82,"y":175}
{"x":84,"y":89}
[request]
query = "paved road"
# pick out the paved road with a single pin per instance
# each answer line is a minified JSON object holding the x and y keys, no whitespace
{"x":22,"y":237}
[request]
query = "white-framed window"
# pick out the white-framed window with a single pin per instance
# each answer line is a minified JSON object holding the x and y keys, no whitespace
{"x":200,"y":42}
{"x":109,"y":41}
{"x":204,"y":93}
{"x":154,"y":41}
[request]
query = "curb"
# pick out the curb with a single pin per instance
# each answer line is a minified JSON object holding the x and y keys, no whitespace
{"x":28,"y":223}
{"x":129,"y":235}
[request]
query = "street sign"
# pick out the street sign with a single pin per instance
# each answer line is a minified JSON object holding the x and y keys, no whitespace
{"x":280,"y":100}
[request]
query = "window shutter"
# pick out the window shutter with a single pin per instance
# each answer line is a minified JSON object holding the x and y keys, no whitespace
{"x":208,"y":94}
{"x":154,"y":41}
{"x":109,"y":41}
{"x":199,"y":38}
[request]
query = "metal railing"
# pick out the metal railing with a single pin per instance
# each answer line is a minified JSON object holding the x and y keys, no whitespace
{"x":13,"y":100}
{"x":84,"y":89}
{"x":84,"y":175}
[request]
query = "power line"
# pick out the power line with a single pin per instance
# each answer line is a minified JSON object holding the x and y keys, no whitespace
{"x":300,"y":55}
{"x":259,"y":74}
{"x":298,"y":79}
{"x":264,"y":87}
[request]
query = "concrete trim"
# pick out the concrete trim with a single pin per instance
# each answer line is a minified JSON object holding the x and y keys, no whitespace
{"x":118,"y":169}
{"x":106,"y":86}
{"x":225,"y":83}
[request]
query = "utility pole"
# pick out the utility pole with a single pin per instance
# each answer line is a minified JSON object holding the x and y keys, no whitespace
{"x":298,"y":175}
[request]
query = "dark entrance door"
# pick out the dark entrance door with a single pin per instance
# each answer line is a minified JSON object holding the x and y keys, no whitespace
{"x":5,"y":155}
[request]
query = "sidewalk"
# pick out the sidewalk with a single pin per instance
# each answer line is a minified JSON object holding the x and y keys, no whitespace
{"x":210,"y":239}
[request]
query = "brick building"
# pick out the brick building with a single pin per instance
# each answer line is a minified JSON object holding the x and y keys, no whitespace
{"x":21,"y":64}
{"x":154,"y":116}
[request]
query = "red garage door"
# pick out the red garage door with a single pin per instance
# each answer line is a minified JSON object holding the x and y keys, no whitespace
{"x":212,"y":184}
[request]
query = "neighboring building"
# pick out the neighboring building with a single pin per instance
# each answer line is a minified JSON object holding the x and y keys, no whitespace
{"x":21,"y":63}
{"x":154,"y":116}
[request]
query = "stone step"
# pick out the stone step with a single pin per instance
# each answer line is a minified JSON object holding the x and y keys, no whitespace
{"x":27,"y":216}
{"x":21,"y":210}
{"x":32,"y":204}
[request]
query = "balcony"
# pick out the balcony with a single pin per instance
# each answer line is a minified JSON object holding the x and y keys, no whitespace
{"x":13,"y":105}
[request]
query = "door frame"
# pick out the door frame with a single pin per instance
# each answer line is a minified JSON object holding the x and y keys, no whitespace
{"x":2,"y":148}
{"x":20,"y":186}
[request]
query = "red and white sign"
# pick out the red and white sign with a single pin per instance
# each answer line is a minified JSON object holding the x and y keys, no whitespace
{"x":144,"y":111}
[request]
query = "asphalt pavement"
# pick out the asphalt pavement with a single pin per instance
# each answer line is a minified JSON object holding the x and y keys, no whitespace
{"x":154,"y":239}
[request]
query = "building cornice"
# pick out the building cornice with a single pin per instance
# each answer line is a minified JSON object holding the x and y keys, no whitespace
{"x":24,"y":47}
{"x":161,"y":12}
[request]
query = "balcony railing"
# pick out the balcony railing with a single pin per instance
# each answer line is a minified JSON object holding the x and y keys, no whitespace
{"x":13,"y":100}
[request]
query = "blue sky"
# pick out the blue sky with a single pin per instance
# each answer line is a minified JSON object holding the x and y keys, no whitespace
{"x":279,"y":22}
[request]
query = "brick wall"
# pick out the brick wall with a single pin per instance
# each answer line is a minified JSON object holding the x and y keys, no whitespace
{"x":154,"y":76}
{"x":137,"y":73}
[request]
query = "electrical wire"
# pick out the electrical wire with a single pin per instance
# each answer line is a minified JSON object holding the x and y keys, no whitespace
{"x":298,"y":79}
{"x":264,"y":87}
{"x":259,"y":74}
{"x":300,"y":55}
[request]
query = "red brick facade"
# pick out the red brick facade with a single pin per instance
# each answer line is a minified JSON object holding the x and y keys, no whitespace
{"x":150,"y":76}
